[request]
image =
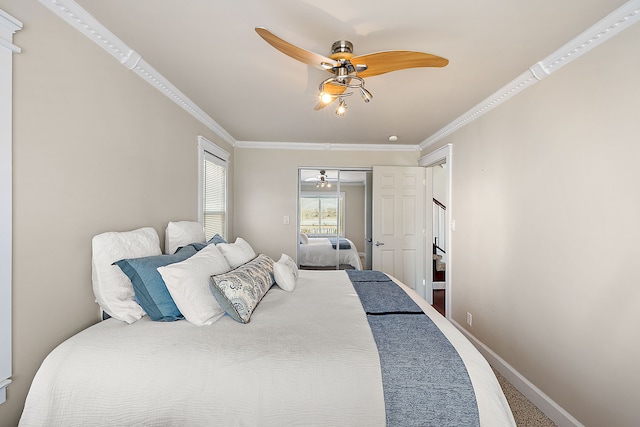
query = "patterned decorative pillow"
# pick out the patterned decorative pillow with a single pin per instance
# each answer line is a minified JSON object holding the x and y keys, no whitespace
{"x":239,"y":291}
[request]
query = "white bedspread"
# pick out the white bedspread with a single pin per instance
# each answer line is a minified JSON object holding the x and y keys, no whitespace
{"x":306,"y":358}
{"x":320,"y":253}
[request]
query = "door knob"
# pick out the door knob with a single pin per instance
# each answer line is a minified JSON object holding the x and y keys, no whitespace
{"x":379,"y":243}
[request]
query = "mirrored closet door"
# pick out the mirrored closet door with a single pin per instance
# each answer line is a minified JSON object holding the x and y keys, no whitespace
{"x":334,"y":217}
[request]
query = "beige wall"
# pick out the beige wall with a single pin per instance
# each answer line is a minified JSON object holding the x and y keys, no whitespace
{"x":266,"y":189}
{"x":546,"y":204}
{"x":95,"y":149}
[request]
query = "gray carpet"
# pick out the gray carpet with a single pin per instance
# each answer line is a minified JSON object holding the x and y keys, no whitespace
{"x":525,"y":413}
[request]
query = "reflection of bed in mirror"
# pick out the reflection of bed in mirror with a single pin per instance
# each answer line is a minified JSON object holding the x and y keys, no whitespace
{"x":321,"y":252}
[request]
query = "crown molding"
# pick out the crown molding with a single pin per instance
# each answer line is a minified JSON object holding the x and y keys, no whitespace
{"x":324,"y":146}
{"x":617,"y":21}
{"x":82,"y":21}
{"x":521,"y":82}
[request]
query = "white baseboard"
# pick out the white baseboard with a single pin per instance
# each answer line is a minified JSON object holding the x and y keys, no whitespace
{"x":550,"y":408}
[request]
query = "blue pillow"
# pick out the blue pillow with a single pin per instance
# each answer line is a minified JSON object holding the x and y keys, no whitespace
{"x":151,"y":291}
{"x":214,"y":240}
{"x":217,"y":239}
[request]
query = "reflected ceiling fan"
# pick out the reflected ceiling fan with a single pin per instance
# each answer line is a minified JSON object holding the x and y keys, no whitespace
{"x":349,"y":71}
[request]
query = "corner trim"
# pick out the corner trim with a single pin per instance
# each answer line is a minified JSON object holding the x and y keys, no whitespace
{"x":8,"y":27}
{"x":8,"y":22}
{"x":82,"y":21}
{"x":3,"y":390}
{"x":327,"y":146}
{"x":550,"y":408}
{"x":617,"y":21}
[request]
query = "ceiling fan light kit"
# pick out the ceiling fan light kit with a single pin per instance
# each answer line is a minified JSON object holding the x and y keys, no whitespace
{"x":348,"y":70}
{"x":335,"y":88}
{"x":342,"y":107}
{"x":323,"y":180}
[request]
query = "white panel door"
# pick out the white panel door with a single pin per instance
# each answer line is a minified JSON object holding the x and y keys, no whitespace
{"x":398,"y":223}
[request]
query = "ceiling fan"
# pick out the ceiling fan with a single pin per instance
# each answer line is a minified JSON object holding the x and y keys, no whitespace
{"x":323,"y":180}
{"x":349,"y":71}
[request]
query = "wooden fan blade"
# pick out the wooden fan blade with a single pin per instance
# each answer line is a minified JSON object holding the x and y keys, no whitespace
{"x":331,"y":89}
{"x":393,"y":60}
{"x":302,"y":55}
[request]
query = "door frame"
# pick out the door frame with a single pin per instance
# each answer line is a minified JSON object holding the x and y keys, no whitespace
{"x":434,"y":158}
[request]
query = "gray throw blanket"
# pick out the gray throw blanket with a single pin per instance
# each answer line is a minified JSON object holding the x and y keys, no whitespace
{"x":424,"y":379}
{"x":367,"y":276}
{"x":343,"y":243}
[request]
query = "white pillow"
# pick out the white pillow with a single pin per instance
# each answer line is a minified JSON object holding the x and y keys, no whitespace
{"x":112,"y":288}
{"x":237,"y":253}
{"x":182,"y":233}
{"x":188,"y":283}
{"x":290,"y":263}
{"x":285,"y":273}
{"x":304,"y":239}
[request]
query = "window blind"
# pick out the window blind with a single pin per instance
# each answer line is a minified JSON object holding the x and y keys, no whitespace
{"x":214,"y":195}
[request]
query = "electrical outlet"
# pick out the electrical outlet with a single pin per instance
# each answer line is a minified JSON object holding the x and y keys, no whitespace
{"x":469,"y":319}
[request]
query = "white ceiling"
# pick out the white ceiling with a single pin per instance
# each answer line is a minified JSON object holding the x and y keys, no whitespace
{"x":210,"y":52}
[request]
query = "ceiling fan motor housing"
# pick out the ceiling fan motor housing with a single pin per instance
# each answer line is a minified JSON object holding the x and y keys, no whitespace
{"x":342,"y":46}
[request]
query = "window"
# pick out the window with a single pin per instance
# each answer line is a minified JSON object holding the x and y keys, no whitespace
{"x":322,"y":214}
{"x":214,"y":194}
{"x":213,"y":188}
{"x":8,"y":26}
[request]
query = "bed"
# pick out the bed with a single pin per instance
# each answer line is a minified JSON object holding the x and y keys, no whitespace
{"x":325,"y":252}
{"x":316,"y":348}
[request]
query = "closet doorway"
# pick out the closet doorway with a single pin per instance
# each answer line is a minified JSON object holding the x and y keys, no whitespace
{"x":334,"y":218}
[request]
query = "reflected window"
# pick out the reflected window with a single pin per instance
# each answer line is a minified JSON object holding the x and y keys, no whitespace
{"x":322,"y":214}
